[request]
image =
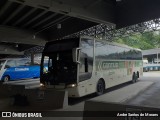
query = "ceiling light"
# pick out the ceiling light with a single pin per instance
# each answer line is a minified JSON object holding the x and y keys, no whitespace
{"x":34,"y":36}
{"x":5,"y":49}
{"x":59,"y":26}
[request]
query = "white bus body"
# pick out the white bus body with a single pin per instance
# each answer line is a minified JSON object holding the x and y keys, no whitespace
{"x":86,"y":65}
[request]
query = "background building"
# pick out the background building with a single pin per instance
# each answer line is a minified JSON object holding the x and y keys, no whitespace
{"x":151,"y":59}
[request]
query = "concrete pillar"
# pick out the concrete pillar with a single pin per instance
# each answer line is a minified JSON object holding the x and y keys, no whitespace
{"x":157,"y":58}
{"x":32,"y":58}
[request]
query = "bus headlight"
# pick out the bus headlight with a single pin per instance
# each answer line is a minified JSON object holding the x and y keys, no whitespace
{"x":42,"y":85}
{"x":71,"y":85}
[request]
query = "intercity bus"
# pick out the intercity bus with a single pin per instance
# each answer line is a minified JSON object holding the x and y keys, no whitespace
{"x":86,"y":65}
{"x":18,"y":68}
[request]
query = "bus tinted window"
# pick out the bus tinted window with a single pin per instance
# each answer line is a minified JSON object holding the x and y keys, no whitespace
{"x":86,"y":59}
{"x":1,"y":63}
{"x":110,"y":51}
{"x":23,"y":62}
{"x":11,"y":63}
{"x":61,"y":45}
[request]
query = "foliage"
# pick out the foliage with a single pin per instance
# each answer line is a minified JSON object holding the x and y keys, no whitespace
{"x":144,"y":41}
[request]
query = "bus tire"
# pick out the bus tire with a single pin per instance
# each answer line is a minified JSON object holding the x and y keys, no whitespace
{"x":100,"y":87}
{"x":6,"y":78}
{"x":137,"y":74}
{"x":134,"y":78}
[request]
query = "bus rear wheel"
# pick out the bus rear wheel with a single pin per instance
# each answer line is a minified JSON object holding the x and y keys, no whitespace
{"x":6,"y":78}
{"x":100,"y":87}
{"x":134,"y":78}
{"x":137,"y":74}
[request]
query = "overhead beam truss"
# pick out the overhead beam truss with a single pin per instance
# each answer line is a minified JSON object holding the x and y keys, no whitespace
{"x":109,"y":33}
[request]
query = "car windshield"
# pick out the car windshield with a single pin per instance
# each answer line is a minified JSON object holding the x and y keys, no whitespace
{"x":1,"y":63}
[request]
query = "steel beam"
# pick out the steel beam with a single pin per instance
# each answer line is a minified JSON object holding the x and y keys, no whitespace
{"x":49,"y":25}
{"x":45,"y":19}
{"x":5,"y":49}
{"x":14,"y":35}
{"x":5,"y":7}
{"x":13,"y":14}
{"x":100,"y":12}
{"x":30,"y":21}
{"x":22,"y":18}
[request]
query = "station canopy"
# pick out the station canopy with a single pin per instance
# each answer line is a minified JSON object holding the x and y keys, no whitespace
{"x":25,"y":24}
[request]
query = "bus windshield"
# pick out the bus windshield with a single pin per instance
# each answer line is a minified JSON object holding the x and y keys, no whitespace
{"x":58,"y":67}
{"x":1,"y":63}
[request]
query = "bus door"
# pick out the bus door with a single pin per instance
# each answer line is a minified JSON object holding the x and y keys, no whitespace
{"x":60,"y":69}
{"x":86,"y":66}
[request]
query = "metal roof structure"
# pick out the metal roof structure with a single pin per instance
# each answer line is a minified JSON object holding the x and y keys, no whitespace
{"x":151,"y":51}
{"x":25,"y":24}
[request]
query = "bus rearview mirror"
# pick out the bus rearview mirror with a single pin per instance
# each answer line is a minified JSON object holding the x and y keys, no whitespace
{"x":75,"y":55}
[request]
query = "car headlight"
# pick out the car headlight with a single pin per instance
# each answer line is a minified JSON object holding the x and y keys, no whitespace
{"x":71,"y":85}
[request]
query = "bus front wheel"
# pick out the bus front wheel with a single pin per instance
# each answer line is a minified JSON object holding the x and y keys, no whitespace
{"x":100,"y":87}
{"x":6,"y":78}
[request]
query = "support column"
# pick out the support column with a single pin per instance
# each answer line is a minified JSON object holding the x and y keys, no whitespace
{"x":157,"y":57}
{"x":32,"y":58}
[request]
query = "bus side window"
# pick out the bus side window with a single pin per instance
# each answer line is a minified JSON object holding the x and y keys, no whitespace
{"x":50,"y":67}
{"x":23,"y":62}
{"x":7,"y":66}
{"x":86,"y":64}
{"x":86,"y":59}
{"x":36,"y":63}
{"x":10,"y":63}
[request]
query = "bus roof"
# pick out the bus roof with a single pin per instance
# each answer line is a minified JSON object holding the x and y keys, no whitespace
{"x":13,"y":58}
{"x":104,"y":40}
{"x":112,"y":43}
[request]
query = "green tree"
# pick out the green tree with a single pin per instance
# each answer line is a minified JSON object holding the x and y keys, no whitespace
{"x":147,"y":40}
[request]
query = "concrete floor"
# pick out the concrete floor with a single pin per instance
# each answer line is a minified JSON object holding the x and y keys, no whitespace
{"x":29,"y":83}
{"x":134,"y":94}
{"x":147,"y":94}
{"x":151,"y":96}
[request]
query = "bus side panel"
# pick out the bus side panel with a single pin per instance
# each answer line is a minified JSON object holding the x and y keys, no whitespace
{"x":22,"y":72}
{"x":116,"y":63}
{"x":11,"y":73}
{"x":34,"y":71}
{"x":83,"y":88}
{"x":138,"y":67}
{"x":109,"y":71}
